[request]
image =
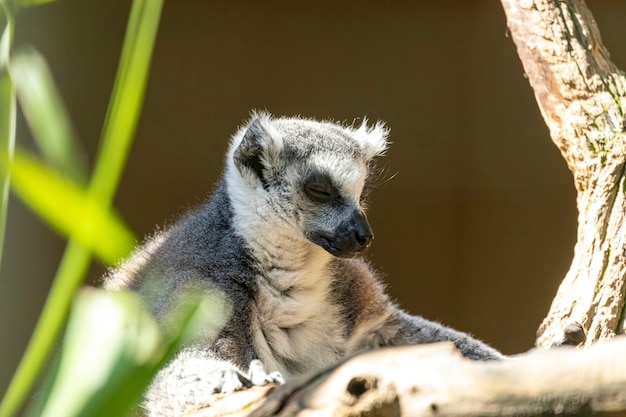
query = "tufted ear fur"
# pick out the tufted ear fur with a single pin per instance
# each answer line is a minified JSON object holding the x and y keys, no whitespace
{"x":259,"y":148}
{"x":373,"y":140}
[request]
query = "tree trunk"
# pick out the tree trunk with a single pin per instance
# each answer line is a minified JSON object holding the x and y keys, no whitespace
{"x":582,"y":97}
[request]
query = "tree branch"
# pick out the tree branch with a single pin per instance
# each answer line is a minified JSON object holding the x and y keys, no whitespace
{"x":435,"y":379}
{"x":582,"y":97}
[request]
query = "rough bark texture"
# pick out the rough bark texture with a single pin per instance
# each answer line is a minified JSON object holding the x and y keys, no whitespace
{"x":582,"y":97}
{"x":434,"y":380}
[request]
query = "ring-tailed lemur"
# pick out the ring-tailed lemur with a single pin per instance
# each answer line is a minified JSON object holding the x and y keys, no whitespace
{"x":280,"y":237}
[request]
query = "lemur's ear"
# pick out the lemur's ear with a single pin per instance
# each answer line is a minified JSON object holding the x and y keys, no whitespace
{"x":258,"y":148}
{"x":373,"y":140}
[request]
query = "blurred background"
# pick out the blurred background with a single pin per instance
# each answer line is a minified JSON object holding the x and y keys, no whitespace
{"x":477,"y":227}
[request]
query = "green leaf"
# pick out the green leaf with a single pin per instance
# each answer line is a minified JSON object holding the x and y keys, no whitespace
{"x":7,"y":113}
{"x":8,"y":25}
{"x":198,"y":314}
{"x":110,"y":338}
{"x":46,"y":114}
{"x":29,"y":3}
{"x":106,"y":364}
{"x":7,"y":141}
{"x":70,"y":209}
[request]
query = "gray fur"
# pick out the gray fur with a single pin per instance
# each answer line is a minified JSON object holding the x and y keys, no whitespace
{"x":280,"y":237}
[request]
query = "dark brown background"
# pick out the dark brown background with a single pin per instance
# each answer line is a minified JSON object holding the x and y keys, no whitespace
{"x":476,"y":229}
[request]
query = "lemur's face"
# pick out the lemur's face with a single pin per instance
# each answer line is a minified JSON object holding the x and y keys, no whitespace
{"x":309,"y":180}
{"x":336,"y":220}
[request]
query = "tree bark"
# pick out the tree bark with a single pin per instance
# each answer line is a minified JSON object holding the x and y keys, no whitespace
{"x":582,"y":97}
{"x":436,"y":380}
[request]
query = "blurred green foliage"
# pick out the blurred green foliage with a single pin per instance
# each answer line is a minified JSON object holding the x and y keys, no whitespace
{"x":104,"y":365}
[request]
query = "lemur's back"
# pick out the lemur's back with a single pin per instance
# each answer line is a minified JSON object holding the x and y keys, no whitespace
{"x":200,"y":247}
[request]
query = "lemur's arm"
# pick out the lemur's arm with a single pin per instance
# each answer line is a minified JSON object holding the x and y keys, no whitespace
{"x":417,"y":330}
{"x":224,"y":365}
{"x":188,"y":381}
{"x":191,"y":379}
{"x":358,"y":288}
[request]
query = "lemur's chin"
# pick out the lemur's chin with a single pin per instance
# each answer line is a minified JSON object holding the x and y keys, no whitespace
{"x":340,"y":248}
{"x":339,"y":253}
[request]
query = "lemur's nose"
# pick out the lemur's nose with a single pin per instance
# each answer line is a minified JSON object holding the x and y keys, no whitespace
{"x":362,"y":230}
{"x":350,"y":237}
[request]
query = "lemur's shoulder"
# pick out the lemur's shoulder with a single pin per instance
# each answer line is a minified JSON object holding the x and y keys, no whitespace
{"x":201,"y":248}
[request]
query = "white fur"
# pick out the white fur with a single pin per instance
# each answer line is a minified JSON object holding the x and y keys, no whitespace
{"x":293,"y":289}
{"x":293,"y":316}
{"x":373,"y":139}
{"x":349,"y":177}
{"x":368,"y":334}
{"x":301,"y":325}
{"x":273,"y":144}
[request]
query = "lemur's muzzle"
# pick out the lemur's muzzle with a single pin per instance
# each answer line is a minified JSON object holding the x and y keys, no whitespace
{"x":353,"y":235}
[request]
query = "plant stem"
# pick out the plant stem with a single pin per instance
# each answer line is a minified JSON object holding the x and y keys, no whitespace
{"x":67,"y":280}
{"x":127,"y":98}
{"x":7,"y":116}
{"x":7,"y":141}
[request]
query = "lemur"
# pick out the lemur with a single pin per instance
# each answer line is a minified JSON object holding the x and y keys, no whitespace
{"x":281,"y":237}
